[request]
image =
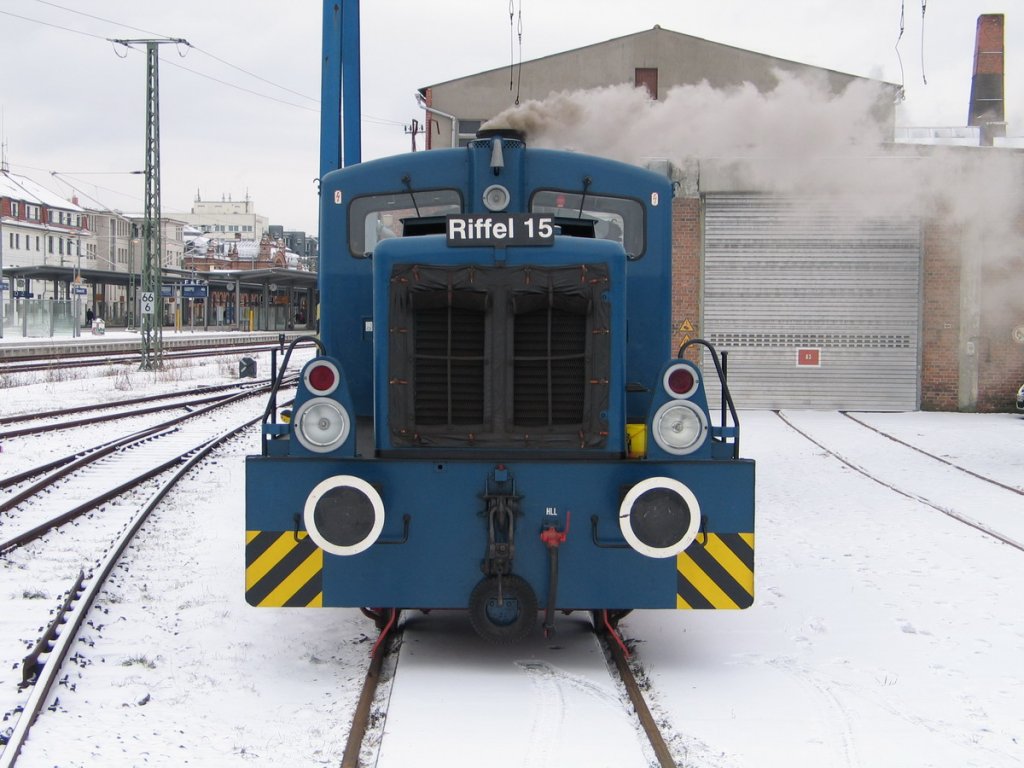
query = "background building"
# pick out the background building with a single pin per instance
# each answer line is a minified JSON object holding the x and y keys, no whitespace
{"x":39,"y":228}
{"x":656,"y":59}
{"x":837,"y":268}
{"x":227,"y":218}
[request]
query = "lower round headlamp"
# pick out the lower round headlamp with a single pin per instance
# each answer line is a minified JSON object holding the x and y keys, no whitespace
{"x":680,"y":427}
{"x":321,"y":424}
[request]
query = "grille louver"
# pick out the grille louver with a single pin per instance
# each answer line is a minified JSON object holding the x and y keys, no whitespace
{"x":449,"y":366}
{"x":549,"y":368}
{"x":484,"y":357}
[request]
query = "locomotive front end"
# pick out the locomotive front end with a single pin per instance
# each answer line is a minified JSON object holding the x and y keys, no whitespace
{"x":497,"y":422}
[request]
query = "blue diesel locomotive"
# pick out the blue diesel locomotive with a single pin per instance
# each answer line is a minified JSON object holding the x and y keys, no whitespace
{"x":497,"y":420}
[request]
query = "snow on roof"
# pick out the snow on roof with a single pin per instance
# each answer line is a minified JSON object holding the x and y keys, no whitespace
{"x":23,"y":188}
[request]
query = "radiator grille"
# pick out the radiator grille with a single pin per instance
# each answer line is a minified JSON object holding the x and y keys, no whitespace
{"x":481,"y":356}
{"x":549,"y":367}
{"x":449,"y":366}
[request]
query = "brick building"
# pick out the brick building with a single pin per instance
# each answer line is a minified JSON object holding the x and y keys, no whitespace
{"x":888,"y":278}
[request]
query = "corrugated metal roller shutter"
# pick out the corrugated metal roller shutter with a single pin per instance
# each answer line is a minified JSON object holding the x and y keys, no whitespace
{"x":784,"y":275}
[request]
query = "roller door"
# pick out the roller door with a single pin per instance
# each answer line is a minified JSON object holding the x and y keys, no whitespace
{"x":818,"y":306}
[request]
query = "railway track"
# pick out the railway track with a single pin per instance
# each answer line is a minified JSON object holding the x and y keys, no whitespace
{"x":120,"y":404}
{"x":117,"y":411}
{"x":43,"y":665}
{"x":61,"y":359}
{"x":49,"y":473}
{"x":113,"y":469}
{"x":583,"y":690}
{"x":992,"y":507}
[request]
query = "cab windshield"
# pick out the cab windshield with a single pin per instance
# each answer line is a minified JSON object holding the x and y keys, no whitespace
{"x":373,"y":218}
{"x":620,"y":219}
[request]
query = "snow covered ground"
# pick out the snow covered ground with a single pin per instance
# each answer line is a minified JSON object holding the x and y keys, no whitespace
{"x":884,"y":632}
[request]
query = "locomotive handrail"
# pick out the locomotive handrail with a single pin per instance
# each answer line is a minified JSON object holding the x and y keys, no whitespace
{"x":726,"y":396}
{"x":278,"y":376}
{"x":607,"y":544}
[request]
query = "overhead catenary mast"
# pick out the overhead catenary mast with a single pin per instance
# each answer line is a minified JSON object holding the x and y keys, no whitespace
{"x":151,"y":328}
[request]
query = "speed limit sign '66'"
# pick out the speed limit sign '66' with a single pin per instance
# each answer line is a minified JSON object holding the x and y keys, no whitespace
{"x":148,"y":301}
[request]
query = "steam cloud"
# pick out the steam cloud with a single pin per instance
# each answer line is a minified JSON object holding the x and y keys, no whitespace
{"x":799,"y":117}
{"x":799,"y":138}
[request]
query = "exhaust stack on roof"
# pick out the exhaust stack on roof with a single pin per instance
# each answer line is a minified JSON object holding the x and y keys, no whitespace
{"x":987,"y":107}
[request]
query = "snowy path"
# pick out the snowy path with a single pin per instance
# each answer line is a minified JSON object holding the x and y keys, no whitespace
{"x":883,"y":634}
{"x":538,"y":703}
{"x":968,"y":497}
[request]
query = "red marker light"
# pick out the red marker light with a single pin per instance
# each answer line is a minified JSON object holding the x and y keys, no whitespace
{"x":322,"y":378}
{"x":681,"y":381}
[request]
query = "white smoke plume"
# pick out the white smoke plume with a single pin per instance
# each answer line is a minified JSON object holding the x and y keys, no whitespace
{"x":798,"y":138}
{"x":797,"y":119}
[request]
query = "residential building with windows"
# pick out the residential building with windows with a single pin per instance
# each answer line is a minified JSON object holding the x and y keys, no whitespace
{"x":39,"y":228}
{"x":113,"y":243}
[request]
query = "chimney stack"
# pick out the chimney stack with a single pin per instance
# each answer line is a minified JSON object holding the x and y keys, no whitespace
{"x":987,"y":108}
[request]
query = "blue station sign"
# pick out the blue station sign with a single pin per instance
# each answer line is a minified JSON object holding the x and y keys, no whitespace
{"x":195,"y":289}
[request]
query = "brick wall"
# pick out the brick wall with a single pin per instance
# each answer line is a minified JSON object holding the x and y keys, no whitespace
{"x":686,"y":250}
{"x":1000,"y":357}
{"x":940,"y":322}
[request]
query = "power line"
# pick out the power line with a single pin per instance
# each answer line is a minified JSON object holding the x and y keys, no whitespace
{"x":58,"y":177}
{"x":135,"y":198}
{"x":365,"y":117}
{"x":193,"y":47}
{"x":55,"y":26}
{"x":74,"y":175}
{"x":252,"y":74}
{"x":100,"y":18}
{"x":237,"y":87}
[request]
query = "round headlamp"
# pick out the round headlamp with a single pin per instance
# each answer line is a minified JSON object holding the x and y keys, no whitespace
{"x":496,"y":198}
{"x":680,"y":427}
{"x":321,"y":424}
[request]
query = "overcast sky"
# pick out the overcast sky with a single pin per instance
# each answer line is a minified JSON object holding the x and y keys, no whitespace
{"x":239,"y":111}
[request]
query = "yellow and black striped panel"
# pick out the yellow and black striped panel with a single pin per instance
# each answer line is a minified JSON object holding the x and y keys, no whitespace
{"x":283,"y":569}
{"x":716,"y":571}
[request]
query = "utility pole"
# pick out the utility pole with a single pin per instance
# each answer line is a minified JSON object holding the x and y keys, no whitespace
{"x":3,"y":291}
{"x":151,"y":328}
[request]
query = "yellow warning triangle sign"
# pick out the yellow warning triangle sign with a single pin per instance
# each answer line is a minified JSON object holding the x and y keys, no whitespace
{"x":686,"y":327}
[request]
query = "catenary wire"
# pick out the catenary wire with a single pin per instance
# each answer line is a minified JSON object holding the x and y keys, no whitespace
{"x":898,"y":38}
{"x":924,"y":7}
{"x":100,"y":18}
{"x":365,"y":117}
{"x":193,"y":47}
{"x":50,"y":24}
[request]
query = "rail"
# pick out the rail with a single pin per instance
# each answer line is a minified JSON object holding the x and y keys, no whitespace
{"x":78,"y":609}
